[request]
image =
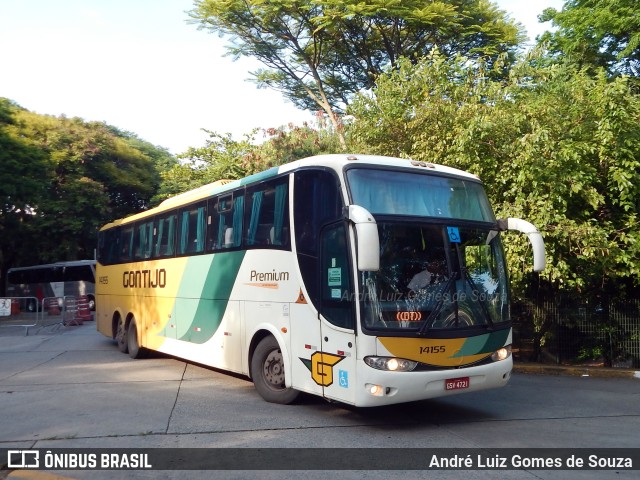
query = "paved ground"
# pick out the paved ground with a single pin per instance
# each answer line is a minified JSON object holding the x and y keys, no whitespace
{"x":69,"y":387}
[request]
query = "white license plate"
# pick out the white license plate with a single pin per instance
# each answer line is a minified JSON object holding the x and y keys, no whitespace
{"x":456,"y":383}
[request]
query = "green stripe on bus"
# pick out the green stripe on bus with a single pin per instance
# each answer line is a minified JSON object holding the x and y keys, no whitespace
{"x":258,"y":177}
{"x":489,"y":342}
{"x":213,"y":296}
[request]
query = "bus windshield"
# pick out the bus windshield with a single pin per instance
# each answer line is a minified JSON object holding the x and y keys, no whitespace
{"x":393,"y":192}
{"x":434,"y":278}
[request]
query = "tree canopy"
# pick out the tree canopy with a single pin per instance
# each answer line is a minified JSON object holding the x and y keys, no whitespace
{"x":600,"y":33}
{"x":222,"y":157}
{"x":554,"y":145}
{"x":62,"y":178}
{"x":319,"y":53}
{"x":554,"y":135}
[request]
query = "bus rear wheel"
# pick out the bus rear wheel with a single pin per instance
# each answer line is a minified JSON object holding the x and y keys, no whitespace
{"x":121,"y":336}
{"x":267,"y":373}
{"x":133,"y":345}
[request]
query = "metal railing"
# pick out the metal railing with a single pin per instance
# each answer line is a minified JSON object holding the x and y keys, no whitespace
{"x":603,"y":333}
{"x":29,"y":312}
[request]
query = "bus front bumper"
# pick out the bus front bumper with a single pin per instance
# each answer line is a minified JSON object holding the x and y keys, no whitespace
{"x":377,"y":388}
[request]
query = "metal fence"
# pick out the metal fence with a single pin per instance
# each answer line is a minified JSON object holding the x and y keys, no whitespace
{"x":32,"y":313}
{"x":605,"y":333}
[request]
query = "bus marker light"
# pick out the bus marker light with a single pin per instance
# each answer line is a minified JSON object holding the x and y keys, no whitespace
{"x":376,"y":390}
{"x":283,"y":329}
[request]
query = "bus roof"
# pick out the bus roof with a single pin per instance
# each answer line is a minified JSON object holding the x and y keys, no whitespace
{"x":334,"y":161}
{"x":338,"y":161}
{"x":70,"y":263}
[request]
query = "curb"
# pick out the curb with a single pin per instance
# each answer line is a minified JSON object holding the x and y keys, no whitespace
{"x":576,"y":371}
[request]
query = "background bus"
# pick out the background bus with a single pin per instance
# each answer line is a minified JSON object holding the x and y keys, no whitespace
{"x":60,"y":279}
{"x":363,"y":279}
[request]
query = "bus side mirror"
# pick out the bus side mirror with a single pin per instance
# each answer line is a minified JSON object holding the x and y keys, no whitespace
{"x":537,"y":243}
{"x":367,"y":242}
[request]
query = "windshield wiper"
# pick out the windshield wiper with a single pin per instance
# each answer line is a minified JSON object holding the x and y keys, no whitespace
{"x":438,"y":306}
{"x":476,"y":291}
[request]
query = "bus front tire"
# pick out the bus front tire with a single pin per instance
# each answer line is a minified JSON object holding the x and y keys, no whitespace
{"x":267,"y":373}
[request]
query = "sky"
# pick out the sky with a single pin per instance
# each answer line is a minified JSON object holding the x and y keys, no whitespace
{"x":141,"y":66}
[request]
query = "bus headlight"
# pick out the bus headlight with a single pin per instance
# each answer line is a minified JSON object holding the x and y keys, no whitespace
{"x":390,"y":364}
{"x":501,"y":354}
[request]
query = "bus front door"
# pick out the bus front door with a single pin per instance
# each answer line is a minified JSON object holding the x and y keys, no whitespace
{"x":335,"y":370}
{"x":335,"y":365}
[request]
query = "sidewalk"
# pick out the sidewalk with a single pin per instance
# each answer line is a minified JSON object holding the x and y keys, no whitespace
{"x":577,"y":370}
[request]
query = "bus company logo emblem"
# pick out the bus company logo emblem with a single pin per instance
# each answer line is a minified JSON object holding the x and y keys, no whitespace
{"x":321,"y":367}
{"x":409,"y":316}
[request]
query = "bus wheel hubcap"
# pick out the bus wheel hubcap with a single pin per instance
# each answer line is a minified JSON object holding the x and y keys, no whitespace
{"x":274,"y":369}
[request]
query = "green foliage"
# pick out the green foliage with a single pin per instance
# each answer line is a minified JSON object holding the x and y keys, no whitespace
{"x":161,"y":157}
{"x":320,"y":53}
{"x":23,"y":177}
{"x":554,"y":145}
{"x":62,"y":178}
{"x":222,"y":157}
{"x":286,"y":144}
{"x":597,"y":33}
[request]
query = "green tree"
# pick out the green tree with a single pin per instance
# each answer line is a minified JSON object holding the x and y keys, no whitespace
{"x":599,"y":33}
{"x":554,"y":145}
{"x":23,"y":177}
{"x":289,"y":143}
{"x":161,"y":157}
{"x":62,"y":178}
{"x":222,"y":157}
{"x":319,"y":53}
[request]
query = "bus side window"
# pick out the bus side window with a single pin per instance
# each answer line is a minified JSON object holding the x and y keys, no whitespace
{"x":192,"y":229}
{"x":225,"y":226}
{"x":238,"y":211}
{"x":142,"y":240}
{"x":109,"y":246}
{"x":267,"y":214}
{"x":165,"y":236}
{"x":127,"y":244}
{"x":145,"y":240}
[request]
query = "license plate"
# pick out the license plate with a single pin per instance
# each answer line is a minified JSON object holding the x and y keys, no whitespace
{"x":456,"y":383}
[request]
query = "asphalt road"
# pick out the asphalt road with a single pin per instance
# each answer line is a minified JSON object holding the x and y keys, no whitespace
{"x":70,"y":387}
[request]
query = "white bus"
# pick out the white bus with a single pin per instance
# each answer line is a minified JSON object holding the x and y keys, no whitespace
{"x":53,"y":280}
{"x":363,"y":279}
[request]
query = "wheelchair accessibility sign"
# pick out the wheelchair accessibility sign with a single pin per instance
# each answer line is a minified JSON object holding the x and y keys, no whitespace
{"x":343,"y":378}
